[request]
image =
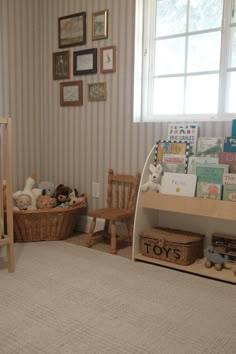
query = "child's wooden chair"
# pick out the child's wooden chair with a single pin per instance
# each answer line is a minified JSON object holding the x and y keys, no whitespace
{"x":121,"y":198}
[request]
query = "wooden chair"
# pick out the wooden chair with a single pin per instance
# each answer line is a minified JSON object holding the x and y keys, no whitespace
{"x":121,"y":198}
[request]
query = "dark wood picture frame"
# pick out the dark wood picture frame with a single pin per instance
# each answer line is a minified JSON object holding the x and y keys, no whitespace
{"x":85,"y":62}
{"x":71,"y":93}
{"x":100,"y":25}
{"x":72,"y":30}
{"x":108,"y":59}
{"x":61,"y":63}
{"x":97,"y":91}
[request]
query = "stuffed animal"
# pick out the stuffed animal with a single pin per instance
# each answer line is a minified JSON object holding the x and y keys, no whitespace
{"x":62,"y":193}
{"x":23,"y":202}
{"x":49,"y":187}
{"x":214,"y":258}
{"x":75,"y":198}
{"x":29,"y":190}
{"x":154,"y":181}
{"x":45,"y":201}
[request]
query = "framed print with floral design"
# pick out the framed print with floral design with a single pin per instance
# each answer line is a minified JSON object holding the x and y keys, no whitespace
{"x":97,"y":91}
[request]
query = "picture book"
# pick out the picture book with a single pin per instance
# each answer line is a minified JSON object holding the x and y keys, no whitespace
{"x":174,"y":163}
{"x":169,"y":147}
{"x":230,"y":144}
{"x":178,"y":184}
{"x":208,"y":190}
{"x":229,"y":192}
{"x":229,"y":178}
{"x":228,"y":158}
{"x":184,"y":132}
{"x":195,"y":161}
{"x":208,"y":146}
{"x":211,"y":173}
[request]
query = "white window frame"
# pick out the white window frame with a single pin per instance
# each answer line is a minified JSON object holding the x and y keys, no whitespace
{"x":143,"y":67}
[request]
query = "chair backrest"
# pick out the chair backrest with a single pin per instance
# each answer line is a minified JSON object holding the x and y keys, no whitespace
{"x":122,"y":190}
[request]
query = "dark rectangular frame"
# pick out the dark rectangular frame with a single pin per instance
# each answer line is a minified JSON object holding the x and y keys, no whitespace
{"x":61,"y":70}
{"x":78,"y":101}
{"x":79,"y":38}
{"x":88,"y":70}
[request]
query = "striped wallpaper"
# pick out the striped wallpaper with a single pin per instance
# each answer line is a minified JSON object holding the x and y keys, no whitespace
{"x":72,"y":145}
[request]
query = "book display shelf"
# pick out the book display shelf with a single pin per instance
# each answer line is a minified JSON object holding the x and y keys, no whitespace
{"x":199,"y":215}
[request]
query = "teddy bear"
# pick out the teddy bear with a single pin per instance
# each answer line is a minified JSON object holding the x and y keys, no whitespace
{"x":75,"y":198}
{"x":29,"y":190}
{"x":154,"y":181}
{"x":62,"y":194}
{"x":23,"y":201}
{"x":48,"y":186}
{"x":45,"y":201}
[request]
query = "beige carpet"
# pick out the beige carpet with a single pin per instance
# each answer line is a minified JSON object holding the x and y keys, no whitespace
{"x":124,"y":249}
{"x":70,"y":299}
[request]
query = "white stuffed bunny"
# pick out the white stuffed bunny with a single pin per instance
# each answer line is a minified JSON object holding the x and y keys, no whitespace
{"x":154,"y":182}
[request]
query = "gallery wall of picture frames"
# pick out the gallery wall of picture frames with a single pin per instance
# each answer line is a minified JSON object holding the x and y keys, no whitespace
{"x":72,"y":32}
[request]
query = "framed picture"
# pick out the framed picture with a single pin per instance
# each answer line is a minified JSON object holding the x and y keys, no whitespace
{"x":61,"y":65}
{"x":97,"y":91}
{"x":100,"y":25}
{"x":71,"y":93}
{"x":108,"y":59}
{"x":72,"y":30}
{"x":85,"y":62}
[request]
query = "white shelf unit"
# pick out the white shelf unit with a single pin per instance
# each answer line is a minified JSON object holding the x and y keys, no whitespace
{"x":203,"y":216}
{"x":6,"y":211}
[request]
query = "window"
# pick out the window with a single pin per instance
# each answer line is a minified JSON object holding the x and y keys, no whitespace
{"x":185,"y":60}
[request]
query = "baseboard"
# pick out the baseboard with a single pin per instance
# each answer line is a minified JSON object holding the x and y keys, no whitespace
{"x":84,"y":223}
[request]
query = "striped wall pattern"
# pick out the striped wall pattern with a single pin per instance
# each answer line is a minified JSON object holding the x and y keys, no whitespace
{"x":72,"y":145}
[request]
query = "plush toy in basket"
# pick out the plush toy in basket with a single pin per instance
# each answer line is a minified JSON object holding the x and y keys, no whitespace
{"x":26,"y":199}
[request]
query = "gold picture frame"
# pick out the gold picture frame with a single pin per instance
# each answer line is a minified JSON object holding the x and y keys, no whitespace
{"x":100,"y":25}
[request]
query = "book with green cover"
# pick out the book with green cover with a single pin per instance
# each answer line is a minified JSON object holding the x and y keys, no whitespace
{"x":229,"y":192}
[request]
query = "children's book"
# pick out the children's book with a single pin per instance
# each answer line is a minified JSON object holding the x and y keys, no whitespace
{"x":230,"y":144}
{"x":229,"y":178}
{"x":208,"y":190}
{"x":195,"y":161}
{"x":211,"y":173}
{"x":184,"y":132}
{"x":229,"y":192}
{"x":228,"y":158}
{"x":178,"y":184}
{"x":208,"y":146}
{"x":169,"y":147}
{"x":174,"y":163}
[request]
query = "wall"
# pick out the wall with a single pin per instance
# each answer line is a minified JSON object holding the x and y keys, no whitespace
{"x":72,"y":145}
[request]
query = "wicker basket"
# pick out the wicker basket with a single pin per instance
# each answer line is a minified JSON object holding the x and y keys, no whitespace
{"x":46,"y":224}
{"x":171,"y":245}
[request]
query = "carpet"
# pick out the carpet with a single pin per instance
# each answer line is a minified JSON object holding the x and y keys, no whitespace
{"x":70,"y":299}
{"x":124,"y":248}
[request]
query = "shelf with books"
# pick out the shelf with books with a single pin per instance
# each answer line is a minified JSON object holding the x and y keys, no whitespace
{"x":200,"y":215}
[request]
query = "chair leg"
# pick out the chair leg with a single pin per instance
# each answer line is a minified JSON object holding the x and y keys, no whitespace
{"x":89,"y":241}
{"x":129,"y":226}
{"x":113,"y":237}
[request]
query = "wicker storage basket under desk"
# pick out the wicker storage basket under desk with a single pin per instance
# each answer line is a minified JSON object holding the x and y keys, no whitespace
{"x":45,"y":224}
{"x":181,"y":247}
